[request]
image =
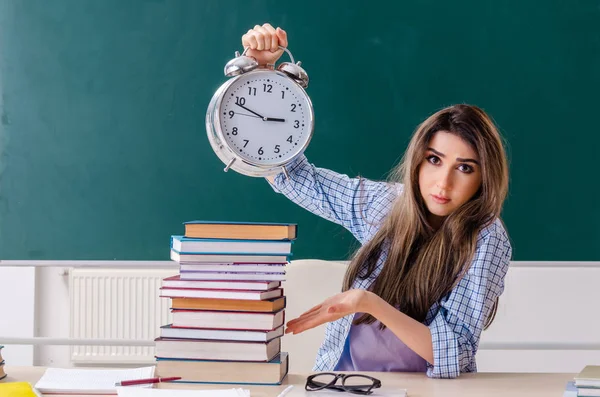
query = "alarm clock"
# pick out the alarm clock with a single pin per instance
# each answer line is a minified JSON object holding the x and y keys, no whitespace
{"x":260,"y":119}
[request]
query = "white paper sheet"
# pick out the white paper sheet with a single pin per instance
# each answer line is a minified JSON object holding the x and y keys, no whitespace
{"x":133,"y":392}
{"x":88,"y":381}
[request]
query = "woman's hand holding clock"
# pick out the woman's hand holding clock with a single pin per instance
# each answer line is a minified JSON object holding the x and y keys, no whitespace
{"x":263,"y":43}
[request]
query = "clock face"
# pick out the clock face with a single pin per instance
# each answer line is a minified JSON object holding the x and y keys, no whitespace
{"x":265,"y":118}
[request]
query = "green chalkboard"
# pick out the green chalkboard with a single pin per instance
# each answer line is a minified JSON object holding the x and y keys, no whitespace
{"x":104,"y":151}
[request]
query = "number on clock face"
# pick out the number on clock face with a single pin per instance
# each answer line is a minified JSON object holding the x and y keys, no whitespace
{"x":265,"y":118}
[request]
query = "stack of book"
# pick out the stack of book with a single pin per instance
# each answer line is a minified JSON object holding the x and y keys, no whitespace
{"x":227,"y":304}
{"x":2,"y":373}
{"x":585,"y":384}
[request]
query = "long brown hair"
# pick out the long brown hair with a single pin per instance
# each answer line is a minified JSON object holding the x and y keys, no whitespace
{"x":423,"y":264}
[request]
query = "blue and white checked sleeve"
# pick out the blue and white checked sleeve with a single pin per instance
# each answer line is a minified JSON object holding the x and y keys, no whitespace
{"x":456,"y":327}
{"x":358,"y":204}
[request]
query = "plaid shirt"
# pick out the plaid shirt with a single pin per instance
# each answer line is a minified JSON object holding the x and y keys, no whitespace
{"x":457,"y":320}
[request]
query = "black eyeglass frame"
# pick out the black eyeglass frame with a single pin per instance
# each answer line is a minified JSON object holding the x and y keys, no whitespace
{"x":312,"y":385}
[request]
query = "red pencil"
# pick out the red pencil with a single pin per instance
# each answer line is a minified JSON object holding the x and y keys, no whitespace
{"x":144,"y":381}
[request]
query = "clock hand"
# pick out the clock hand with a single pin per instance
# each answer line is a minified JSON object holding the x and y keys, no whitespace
{"x":274,"y":119}
{"x":247,"y":115}
{"x":251,"y":111}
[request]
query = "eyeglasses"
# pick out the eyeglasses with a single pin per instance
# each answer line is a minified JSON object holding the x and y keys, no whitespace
{"x":351,"y":383}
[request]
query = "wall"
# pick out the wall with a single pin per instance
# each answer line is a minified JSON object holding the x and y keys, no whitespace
{"x":53,"y":315}
{"x":550,"y":303}
{"x":17,"y":299}
{"x":543,"y":302}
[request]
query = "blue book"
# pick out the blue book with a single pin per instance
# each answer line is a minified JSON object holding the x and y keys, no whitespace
{"x":225,"y":372}
{"x":185,"y":245}
{"x":241,"y":230}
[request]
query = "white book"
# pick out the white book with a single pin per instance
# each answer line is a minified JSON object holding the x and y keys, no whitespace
{"x":233,"y":268}
{"x":227,"y":320}
{"x":588,"y":392}
{"x":226,"y":258}
{"x":220,"y":294}
{"x":201,"y":349}
{"x":168,"y":331}
{"x":177,"y":282}
{"x":232,"y":276}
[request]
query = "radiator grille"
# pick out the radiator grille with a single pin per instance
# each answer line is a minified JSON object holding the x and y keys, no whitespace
{"x":116,"y":304}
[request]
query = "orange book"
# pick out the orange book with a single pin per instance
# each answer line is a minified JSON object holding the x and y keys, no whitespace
{"x":241,"y":230}
{"x":238,"y":305}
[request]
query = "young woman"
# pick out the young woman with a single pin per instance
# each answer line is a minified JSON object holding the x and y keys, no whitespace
{"x":434,"y":254}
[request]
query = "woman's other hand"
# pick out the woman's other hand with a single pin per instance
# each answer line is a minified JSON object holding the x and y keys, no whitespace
{"x":334,"y":308}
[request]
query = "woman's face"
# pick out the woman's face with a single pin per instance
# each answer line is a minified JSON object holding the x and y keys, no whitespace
{"x":450,"y":174}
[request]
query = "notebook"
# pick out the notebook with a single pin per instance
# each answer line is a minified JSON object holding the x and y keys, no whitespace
{"x":89,"y":381}
{"x":588,"y":377}
{"x":131,"y":392}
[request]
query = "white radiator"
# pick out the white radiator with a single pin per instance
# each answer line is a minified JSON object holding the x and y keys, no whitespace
{"x":116,"y":304}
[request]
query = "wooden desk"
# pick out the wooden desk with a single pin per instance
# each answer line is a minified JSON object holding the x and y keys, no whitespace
{"x":418,"y":385}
